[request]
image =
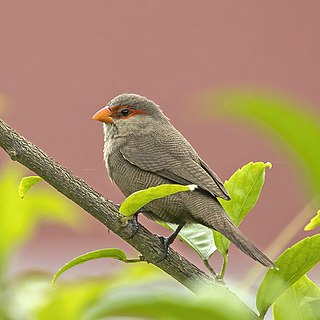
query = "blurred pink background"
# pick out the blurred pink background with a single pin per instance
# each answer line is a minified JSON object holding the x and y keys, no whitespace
{"x":60,"y":61}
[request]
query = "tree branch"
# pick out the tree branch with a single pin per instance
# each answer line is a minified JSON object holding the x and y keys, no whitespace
{"x":102,"y":209}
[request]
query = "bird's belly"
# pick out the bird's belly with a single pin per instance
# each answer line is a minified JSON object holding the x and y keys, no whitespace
{"x":130,"y":178}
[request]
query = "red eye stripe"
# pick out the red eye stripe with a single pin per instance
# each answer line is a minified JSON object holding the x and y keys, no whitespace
{"x":117,"y":111}
{"x":135,"y":112}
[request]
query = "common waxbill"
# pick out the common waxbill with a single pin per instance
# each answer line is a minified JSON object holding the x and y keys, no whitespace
{"x":142,"y":149}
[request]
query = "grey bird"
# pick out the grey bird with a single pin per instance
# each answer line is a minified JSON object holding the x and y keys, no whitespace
{"x":142,"y":149}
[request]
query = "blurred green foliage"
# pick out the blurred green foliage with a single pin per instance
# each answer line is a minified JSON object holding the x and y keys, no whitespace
{"x":19,"y":217}
{"x":292,"y":125}
{"x":75,"y":300}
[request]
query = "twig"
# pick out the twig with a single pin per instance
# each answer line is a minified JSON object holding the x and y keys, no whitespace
{"x":102,"y":209}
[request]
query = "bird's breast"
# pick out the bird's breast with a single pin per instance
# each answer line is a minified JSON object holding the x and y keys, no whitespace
{"x":107,"y":151}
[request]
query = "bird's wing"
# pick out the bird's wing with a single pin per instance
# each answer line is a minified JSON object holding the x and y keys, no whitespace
{"x":215,"y":177}
{"x":174,"y":159}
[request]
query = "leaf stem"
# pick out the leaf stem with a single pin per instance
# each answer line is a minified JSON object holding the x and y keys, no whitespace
{"x":224,"y":265}
{"x":208,"y":266}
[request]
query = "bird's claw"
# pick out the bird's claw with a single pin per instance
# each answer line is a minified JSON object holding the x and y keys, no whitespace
{"x":166,"y":243}
{"x":134,"y":225}
{"x":135,"y":222}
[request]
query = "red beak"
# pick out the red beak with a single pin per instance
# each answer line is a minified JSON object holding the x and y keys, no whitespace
{"x":103,"y":115}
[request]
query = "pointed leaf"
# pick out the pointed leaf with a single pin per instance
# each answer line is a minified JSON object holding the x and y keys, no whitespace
{"x":97,"y":254}
{"x":299,"y":302}
{"x":293,"y":264}
{"x":198,"y":237}
{"x":244,"y":187}
{"x":314,"y":222}
{"x":26,"y":183}
{"x":138,"y":199}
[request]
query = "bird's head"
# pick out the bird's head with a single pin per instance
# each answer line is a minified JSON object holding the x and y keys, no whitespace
{"x":129,"y":112}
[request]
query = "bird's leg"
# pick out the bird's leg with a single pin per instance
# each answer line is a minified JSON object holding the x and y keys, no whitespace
{"x":135,"y":224}
{"x":168,"y":240}
{"x":134,"y":220}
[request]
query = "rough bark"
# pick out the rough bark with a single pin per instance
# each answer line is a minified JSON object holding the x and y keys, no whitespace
{"x":102,"y":209}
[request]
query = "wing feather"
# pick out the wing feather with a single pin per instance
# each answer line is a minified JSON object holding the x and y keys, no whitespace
{"x":172,"y":157}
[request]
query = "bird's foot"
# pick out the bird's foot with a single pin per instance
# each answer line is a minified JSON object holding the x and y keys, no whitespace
{"x":166,"y":241}
{"x":134,"y":224}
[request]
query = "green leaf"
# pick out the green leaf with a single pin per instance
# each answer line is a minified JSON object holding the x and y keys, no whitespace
{"x":198,"y":237}
{"x":244,"y":187}
{"x":169,"y":304}
{"x":97,"y":254}
{"x":294,"y":126}
{"x":293,"y":264}
{"x":26,"y":183}
{"x":140,"y":198}
{"x":314,"y":222}
{"x":299,"y":302}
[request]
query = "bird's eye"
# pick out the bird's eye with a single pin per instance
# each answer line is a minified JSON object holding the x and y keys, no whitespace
{"x":124,"y":112}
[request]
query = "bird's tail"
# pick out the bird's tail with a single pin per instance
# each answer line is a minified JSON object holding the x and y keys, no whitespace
{"x":220,"y":221}
{"x":245,"y":245}
{"x":210,"y":213}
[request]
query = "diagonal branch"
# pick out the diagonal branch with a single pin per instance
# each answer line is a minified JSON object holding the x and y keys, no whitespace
{"x":102,"y":209}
